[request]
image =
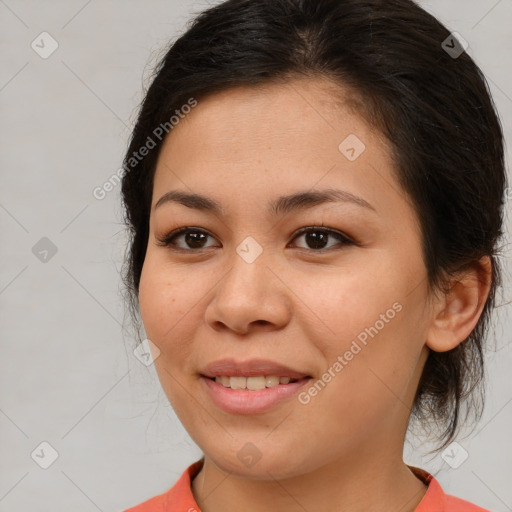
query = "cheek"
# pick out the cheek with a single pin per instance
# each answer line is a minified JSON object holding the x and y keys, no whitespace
{"x":163,"y":310}
{"x":170,"y":301}
{"x":158,"y":299}
{"x":366,"y":322}
{"x":341,"y":305}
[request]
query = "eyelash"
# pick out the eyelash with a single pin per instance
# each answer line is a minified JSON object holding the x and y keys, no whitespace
{"x":166,"y":241}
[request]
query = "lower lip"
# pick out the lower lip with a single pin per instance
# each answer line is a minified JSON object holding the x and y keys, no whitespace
{"x":244,"y":401}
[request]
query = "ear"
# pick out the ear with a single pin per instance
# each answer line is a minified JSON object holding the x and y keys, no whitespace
{"x":456,"y":313}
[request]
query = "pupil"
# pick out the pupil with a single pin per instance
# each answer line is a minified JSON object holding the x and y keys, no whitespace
{"x":193,"y":239}
{"x":316,"y":239}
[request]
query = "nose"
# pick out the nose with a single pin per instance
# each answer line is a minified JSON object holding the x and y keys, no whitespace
{"x":252,"y":295}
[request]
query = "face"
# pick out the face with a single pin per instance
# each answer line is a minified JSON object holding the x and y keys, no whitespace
{"x":344,"y":303}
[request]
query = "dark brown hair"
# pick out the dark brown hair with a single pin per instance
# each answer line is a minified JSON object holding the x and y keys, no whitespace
{"x":434,"y":108}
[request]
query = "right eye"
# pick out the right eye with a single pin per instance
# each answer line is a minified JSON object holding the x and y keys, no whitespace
{"x":194,"y":239}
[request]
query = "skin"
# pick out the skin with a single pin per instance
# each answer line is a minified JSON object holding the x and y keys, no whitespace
{"x":342,"y":450}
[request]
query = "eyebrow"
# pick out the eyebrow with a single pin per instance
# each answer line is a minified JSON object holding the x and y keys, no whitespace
{"x":279,"y":206}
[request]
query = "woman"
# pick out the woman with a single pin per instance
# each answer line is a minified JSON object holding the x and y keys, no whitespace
{"x":315,"y":191}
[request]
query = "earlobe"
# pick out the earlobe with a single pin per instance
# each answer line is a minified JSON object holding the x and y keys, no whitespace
{"x":455,"y":316}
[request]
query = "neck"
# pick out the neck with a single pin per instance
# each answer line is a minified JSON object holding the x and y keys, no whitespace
{"x":348,"y":486}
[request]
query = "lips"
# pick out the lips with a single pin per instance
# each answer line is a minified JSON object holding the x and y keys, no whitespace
{"x":250,"y":368}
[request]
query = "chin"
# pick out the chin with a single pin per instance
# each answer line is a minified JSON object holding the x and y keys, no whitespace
{"x":274,"y":466}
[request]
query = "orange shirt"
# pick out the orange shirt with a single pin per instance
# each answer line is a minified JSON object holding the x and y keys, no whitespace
{"x":179,"y":498}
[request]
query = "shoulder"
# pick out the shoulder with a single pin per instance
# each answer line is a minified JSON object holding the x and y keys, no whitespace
{"x":454,"y":504}
{"x":178,"y":498}
{"x":436,"y":500}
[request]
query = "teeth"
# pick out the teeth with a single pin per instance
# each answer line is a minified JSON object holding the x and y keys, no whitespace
{"x":252,"y":383}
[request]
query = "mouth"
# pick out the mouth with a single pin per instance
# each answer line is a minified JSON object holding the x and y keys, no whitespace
{"x":251,"y":386}
{"x":254,"y":382}
{"x":250,"y":395}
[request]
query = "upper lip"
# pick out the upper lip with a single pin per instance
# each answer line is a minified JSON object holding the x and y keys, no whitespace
{"x":250,"y":368}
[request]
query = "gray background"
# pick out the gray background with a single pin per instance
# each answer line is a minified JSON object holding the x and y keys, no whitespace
{"x":67,"y":372}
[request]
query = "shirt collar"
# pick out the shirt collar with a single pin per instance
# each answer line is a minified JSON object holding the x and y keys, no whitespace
{"x":434,"y":498}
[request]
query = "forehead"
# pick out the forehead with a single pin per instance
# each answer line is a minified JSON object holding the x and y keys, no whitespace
{"x":292,"y":111}
{"x":302,"y":121}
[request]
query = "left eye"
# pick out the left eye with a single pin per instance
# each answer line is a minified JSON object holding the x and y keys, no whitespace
{"x":194,"y":238}
{"x":317,"y":237}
